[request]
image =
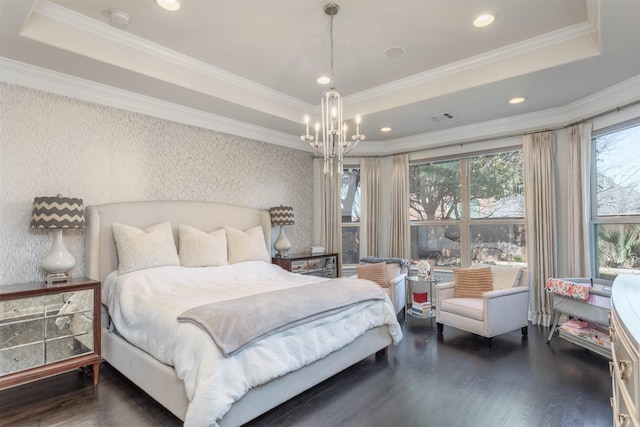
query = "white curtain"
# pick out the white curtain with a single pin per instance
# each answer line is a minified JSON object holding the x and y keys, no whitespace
{"x":540,"y":202}
{"x":331,"y":212}
{"x":579,"y":173}
{"x":369,"y":213}
{"x":399,"y":231}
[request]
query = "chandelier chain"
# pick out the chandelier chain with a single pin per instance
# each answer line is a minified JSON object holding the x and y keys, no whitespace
{"x":331,"y":44}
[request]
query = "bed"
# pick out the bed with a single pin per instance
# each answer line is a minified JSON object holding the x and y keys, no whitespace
{"x":161,"y":380}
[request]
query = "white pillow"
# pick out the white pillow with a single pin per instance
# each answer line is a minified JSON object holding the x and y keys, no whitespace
{"x":199,"y":249}
{"x":138,"y":249}
{"x":248,"y":245}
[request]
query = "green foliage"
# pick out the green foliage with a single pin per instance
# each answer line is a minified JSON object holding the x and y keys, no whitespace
{"x":619,"y":249}
{"x":435,"y":188}
{"x":493,"y":175}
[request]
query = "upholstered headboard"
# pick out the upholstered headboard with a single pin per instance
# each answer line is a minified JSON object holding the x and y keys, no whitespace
{"x":101,"y":254}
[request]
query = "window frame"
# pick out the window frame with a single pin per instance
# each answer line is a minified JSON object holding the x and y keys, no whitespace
{"x":466,"y":222}
{"x":357,"y":224}
{"x":595,"y":219}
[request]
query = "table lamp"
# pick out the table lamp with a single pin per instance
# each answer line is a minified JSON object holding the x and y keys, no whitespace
{"x":282,"y":215}
{"x":57,"y":213}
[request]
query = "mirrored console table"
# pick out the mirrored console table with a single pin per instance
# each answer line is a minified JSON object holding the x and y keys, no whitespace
{"x":46,"y":329}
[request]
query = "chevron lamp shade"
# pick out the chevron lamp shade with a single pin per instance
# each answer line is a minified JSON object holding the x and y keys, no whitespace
{"x":282,"y":215}
{"x":57,"y":212}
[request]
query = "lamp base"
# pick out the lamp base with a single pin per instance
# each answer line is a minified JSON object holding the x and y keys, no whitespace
{"x":58,"y":278}
{"x":58,"y":261}
{"x":282,"y":245}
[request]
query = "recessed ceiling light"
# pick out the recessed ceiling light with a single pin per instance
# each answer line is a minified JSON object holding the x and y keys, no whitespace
{"x":171,"y":5}
{"x":483,"y":20}
{"x":385,"y":129}
{"x":323,"y":80}
{"x":517,"y":100}
{"x":393,"y":51}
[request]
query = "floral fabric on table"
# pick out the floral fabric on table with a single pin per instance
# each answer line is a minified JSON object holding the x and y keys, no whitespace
{"x":569,"y":289}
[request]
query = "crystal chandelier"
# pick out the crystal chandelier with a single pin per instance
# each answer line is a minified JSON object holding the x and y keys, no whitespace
{"x":335,"y":142}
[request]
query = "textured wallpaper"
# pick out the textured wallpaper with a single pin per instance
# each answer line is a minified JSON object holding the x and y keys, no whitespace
{"x":51,"y":144}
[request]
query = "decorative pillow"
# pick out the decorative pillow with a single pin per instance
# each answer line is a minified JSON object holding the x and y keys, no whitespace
{"x":503,"y":277}
{"x":138,"y":249}
{"x":248,"y":245}
{"x":472,"y":282}
{"x":375,"y":272}
{"x":581,"y":291}
{"x":199,"y":249}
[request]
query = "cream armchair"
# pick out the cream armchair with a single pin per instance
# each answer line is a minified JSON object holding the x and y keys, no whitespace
{"x":396,"y":288}
{"x":501,"y":310}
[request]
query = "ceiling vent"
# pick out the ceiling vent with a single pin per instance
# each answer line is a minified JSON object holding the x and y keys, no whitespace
{"x":444,"y":117}
{"x":118,"y":17}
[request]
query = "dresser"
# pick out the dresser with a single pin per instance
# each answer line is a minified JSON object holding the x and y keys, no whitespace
{"x":323,"y":265}
{"x":625,"y":344}
{"x":46,"y":329}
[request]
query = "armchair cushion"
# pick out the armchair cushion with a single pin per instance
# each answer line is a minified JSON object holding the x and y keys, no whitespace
{"x":472,"y":282}
{"x":467,"y":307}
{"x":375,"y":272}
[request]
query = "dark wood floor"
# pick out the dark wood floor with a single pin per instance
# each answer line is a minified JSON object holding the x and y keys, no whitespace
{"x":452,"y":380}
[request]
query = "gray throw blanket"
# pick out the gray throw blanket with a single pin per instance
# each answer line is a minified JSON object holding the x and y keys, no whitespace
{"x":235,"y":324}
{"x":372,"y":259}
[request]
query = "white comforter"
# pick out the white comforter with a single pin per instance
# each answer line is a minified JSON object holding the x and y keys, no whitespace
{"x":144,"y":305}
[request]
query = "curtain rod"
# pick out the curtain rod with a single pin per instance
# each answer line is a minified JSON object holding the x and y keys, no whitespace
{"x":510,"y":135}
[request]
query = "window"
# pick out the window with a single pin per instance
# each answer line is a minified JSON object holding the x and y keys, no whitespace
{"x":616,"y":202}
{"x":468,"y":210}
{"x":350,"y":201}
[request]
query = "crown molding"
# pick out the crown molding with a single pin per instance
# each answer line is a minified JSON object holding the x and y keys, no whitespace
{"x":85,"y":25}
{"x":33,"y":77}
{"x":506,"y":53}
{"x":62,"y":84}
{"x":624,"y":93}
{"x":106,"y":32}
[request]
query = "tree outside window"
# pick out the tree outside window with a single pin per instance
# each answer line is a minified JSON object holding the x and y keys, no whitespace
{"x":468,"y":210}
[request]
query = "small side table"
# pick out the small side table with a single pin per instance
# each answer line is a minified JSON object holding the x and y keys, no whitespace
{"x":421,"y":285}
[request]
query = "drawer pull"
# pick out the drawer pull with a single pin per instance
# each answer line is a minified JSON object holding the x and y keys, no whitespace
{"x":15,"y":334}
{"x":70,"y":346}
{"x":625,"y":369}
{"x":16,"y":359}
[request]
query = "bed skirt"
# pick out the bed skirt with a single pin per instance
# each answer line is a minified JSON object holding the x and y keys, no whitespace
{"x":161,"y":382}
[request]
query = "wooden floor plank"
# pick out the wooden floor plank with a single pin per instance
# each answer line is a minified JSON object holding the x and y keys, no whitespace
{"x":452,"y":380}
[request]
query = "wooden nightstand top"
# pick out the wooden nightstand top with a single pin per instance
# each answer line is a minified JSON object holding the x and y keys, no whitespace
{"x":41,"y":288}
{"x":302,"y":256}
